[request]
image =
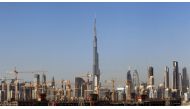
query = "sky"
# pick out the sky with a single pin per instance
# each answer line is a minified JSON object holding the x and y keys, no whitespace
{"x":57,"y":37}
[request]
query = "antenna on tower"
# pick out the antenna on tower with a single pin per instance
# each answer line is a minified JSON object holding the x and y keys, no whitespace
{"x":129,"y":67}
{"x":95,"y":25}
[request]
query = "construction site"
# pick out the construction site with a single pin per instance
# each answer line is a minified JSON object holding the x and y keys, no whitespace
{"x":40,"y":92}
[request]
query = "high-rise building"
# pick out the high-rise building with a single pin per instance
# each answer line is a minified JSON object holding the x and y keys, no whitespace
{"x":185,"y":80}
{"x":180,"y":83}
{"x":167,"y":91}
{"x":79,"y":87}
{"x":136,"y":83}
{"x":96,"y":70}
{"x":176,"y":81}
{"x":37,"y":79}
{"x":53,"y":82}
{"x":44,"y":86}
{"x":22,"y":91}
{"x":36,"y":91}
{"x":3,"y":91}
{"x":12,"y":89}
{"x":129,"y":78}
{"x":150,"y":71}
{"x":166,"y":78}
{"x":175,"y":75}
{"x":43,"y":79}
{"x":150,"y":76}
{"x":68,"y":90}
{"x":129,"y":86}
{"x":160,"y":91}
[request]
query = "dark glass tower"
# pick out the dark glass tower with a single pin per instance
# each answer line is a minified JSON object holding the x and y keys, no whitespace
{"x":175,"y":75}
{"x":129,"y":84}
{"x":150,"y":75}
{"x":150,"y":71}
{"x":129,"y":78}
{"x":43,"y":79}
{"x":96,"y":70}
{"x":185,"y":80}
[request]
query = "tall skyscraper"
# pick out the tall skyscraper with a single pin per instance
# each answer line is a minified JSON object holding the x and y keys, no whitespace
{"x":96,"y":70}
{"x":175,"y":75}
{"x":129,"y":86}
{"x":44,"y":87}
{"x":136,"y":82}
{"x":37,"y":86}
{"x":37,"y":79}
{"x":43,"y":79}
{"x":150,"y":75}
{"x":185,"y":80}
{"x":176,"y":81}
{"x":129,"y":78}
{"x":166,"y":78}
{"x":53,"y":82}
{"x":150,"y":71}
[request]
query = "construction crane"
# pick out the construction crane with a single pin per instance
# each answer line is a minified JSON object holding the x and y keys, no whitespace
{"x":5,"y":79}
{"x":15,"y":72}
{"x":12,"y":79}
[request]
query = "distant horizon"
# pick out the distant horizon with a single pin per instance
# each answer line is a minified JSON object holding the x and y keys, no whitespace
{"x":58,"y":38}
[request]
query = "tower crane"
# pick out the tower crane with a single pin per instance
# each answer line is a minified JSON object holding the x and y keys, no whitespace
{"x":15,"y":72}
{"x":5,"y":79}
{"x":16,"y":78}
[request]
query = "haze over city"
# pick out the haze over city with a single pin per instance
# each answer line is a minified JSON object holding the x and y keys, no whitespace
{"x":57,"y":37}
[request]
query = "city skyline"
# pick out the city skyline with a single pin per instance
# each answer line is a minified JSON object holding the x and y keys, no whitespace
{"x":57,"y":37}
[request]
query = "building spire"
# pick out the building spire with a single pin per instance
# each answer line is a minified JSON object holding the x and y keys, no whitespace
{"x":95,"y":37}
{"x":95,"y":26}
{"x":96,"y":70}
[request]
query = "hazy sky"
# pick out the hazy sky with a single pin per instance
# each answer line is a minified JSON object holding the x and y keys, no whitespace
{"x":57,"y":37}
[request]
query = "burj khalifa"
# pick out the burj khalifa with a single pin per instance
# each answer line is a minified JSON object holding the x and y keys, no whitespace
{"x":96,"y":70}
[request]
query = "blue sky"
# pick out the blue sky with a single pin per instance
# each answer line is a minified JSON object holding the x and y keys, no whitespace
{"x":57,"y":37}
